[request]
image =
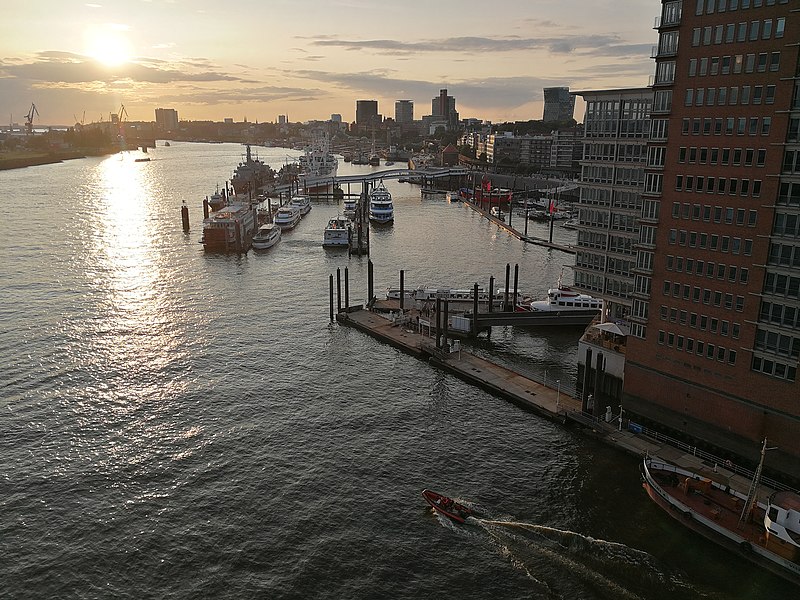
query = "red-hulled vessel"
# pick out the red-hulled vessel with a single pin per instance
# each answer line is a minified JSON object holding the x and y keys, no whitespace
{"x":448,"y":507}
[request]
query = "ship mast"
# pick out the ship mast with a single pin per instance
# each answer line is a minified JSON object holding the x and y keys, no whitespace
{"x":751,"y":495}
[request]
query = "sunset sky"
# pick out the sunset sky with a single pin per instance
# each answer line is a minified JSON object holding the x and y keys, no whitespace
{"x":256,"y":59}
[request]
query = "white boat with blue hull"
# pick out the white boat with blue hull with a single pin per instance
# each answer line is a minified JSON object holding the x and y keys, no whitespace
{"x":381,"y":208}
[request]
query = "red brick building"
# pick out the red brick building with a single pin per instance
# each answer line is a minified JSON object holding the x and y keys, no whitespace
{"x":715,"y":336}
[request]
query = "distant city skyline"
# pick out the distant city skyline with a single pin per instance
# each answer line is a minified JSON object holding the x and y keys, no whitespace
{"x":256,"y":60}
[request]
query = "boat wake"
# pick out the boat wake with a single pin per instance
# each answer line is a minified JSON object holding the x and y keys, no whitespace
{"x":595,"y":568}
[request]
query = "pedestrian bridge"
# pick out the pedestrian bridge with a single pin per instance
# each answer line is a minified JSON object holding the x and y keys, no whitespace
{"x":373,"y":176}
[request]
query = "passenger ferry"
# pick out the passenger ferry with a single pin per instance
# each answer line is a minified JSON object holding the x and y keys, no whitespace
{"x":287,"y":217}
{"x":301,"y":203}
{"x":381,"y":209}
{"x":563,"y":299}
{"x":268,"y":235}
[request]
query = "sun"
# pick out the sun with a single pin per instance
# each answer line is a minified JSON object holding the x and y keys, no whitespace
{"x":109,"y":44}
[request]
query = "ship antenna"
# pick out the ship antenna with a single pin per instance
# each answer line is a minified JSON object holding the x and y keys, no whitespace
{"x":751,"y":495}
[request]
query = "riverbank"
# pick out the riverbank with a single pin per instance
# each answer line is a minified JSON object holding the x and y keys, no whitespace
{"x":19,"y":160}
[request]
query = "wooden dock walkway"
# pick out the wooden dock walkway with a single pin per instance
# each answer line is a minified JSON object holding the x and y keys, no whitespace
{"x":494,"y":378}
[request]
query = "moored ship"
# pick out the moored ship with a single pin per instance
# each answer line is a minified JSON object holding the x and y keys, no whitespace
{"x":337,"y":233}
{"x":229,"y":229}
{"x":318,"y":165}
{"x":251,"y":174}
{"x":768,"y":533}
{"x":381,"y":209}
{"x":287,"y":217}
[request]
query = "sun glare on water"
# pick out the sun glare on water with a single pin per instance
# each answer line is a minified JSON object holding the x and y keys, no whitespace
{"x":109,"y":45}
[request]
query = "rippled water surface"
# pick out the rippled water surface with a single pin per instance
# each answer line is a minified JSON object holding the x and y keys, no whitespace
{"x":177,"y":424}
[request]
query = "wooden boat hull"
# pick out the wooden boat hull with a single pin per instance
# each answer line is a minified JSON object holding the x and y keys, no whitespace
{"x":706,"y":512}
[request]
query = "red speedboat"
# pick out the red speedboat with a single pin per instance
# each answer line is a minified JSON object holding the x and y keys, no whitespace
{"x":448,"y":507}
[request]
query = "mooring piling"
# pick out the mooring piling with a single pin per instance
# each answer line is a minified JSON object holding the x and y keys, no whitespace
{"x":185,"y":216}
{"x":346,"y":289}
{"x":338,"y":289}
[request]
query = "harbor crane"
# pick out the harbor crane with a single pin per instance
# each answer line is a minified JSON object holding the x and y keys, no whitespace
{"x":29,"y":118}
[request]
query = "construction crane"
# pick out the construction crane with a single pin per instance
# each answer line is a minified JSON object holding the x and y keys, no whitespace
{"x":29,"y":118}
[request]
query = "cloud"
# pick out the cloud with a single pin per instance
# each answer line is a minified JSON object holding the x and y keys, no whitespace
{"x":69,"y":68}
{"x":600,"y":45}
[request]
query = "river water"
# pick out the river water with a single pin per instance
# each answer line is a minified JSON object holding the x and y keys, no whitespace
{"x":184,"y":425}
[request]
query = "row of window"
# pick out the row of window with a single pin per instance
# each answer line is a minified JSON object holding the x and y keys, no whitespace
{"x":701,"y":322}
{"x":615,"y":152}
{"x":728,"y":156}
{"x":712,"y":241}
{"x":778,"y":284}
{"x":698,"y":347}
{"x":727,"y":65}
{"x":605,"y":197}
{"x":718,"y":185}
{"x":743,"y":31}
{"x":791,"y":161}
{"x":718,"y":214}
{"x":612,"y":175}
{"x":784,"y":255}
{"x":786,"y":225}
{"x":730,"y":95}
{"x":774,"y":368}
{"x":708,"y":269}
{"x":704,"y":295}
{"x":777,"y":343}
{"x":720,"y":6}
{"x":780,"y":314}
{"x":732,"y":125}
{"x":789,"y":194}
{"x":608,"y":243}
{"x":727,"y":126}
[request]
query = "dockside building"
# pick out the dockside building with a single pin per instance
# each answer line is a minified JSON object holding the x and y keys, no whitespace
{"x":715,"y":312}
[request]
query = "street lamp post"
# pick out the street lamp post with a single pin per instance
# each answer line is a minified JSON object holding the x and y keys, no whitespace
{"x":558,"y":394}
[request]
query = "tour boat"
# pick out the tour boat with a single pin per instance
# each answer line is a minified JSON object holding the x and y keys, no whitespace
{"x":337,"y":233}
{"x":381,"y":209}
{"x":301,"y":203}
{"x":287,"y":217}
{"x":564,"y":299}
{"x":449,"y":507}
{"x":267,"y":236}
{"x":766,"y":533}
{"x":230,"y":228}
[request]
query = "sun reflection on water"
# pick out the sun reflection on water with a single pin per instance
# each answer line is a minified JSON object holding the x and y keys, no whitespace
{"x":136,"y":333}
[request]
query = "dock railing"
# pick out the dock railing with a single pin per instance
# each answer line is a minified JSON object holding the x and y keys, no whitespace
{"x":707,"y":457}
